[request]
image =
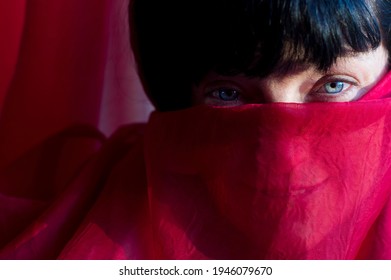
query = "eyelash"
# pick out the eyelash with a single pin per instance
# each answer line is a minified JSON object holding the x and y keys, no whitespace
{"x":217,"y":93}
{"x":317,"y":94}
{"x":214,"y":94}
{"x":347,"y":87}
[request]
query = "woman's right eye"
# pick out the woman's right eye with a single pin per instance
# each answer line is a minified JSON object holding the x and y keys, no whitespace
{"x":225,"y":94}
{"x":227,"y":91}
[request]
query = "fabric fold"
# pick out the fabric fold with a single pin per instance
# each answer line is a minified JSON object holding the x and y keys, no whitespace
{"x":271,"y":181}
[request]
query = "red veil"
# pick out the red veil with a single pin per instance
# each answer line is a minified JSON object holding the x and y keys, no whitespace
{"x":274,"y":181}
{"x":271,"y":181}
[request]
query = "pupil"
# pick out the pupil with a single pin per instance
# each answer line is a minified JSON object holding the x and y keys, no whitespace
{"x":228,"y":95}
{"x":334,"y":87}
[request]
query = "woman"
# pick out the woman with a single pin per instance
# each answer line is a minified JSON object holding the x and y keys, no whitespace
{"x":290,"y":170}
{"x":209,"y":40}
{"x":270,"y":140}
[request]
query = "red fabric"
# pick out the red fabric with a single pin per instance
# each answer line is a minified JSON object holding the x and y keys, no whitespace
{"x":272,"y":181}
{"x":66,"y":73}
{"x":278,"y":181}
{"x":64,"y":62}
{"x":288,"y":181}
{"x":72,"y":184}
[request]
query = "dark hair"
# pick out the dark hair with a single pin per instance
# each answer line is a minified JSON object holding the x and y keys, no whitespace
{"x":176,"y":42}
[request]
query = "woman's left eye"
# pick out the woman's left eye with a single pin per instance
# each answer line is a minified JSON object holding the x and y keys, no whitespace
{"x":333,"y":87}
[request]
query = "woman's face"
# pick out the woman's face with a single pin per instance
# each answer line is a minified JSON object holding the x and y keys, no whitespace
{"x":348,"y":79}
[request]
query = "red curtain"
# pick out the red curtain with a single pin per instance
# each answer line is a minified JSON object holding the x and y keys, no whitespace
{"x":67,"y":81}
{"x":62,"y":63}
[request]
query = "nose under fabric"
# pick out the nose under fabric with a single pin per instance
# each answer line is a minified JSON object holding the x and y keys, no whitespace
{"x":271,"y":181}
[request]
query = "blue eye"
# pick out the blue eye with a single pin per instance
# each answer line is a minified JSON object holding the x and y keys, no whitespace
{"x":226,"y":94}
{"x":334,"y":87}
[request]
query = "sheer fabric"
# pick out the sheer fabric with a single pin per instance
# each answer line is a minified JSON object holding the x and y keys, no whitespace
{"x":273,"y":181}
{"x":62,"y":63}
{"x":67,"y":80}
{"x":279,"y":181}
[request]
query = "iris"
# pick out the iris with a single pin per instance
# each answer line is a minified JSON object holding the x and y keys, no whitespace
{"x":228,"y":94}
{"x":334,"y":87}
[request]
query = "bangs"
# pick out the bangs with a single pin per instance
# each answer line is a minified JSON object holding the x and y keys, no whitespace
{"x":276,"y":36}
{"x":177,"y":42}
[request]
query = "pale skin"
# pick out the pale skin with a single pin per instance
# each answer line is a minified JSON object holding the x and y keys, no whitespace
{"x":348,"y":79}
